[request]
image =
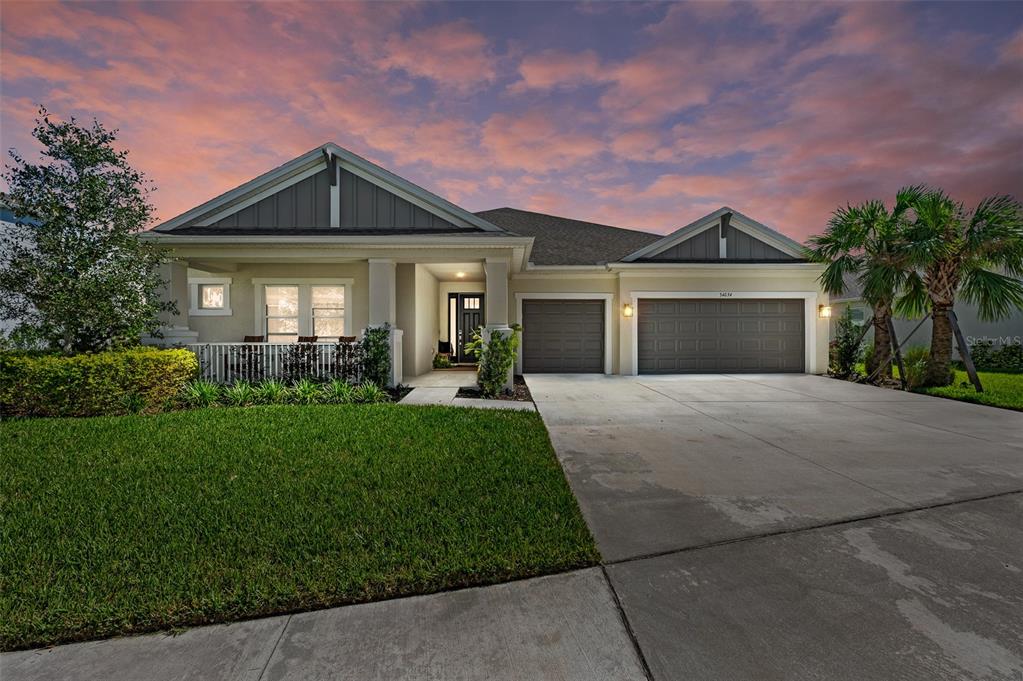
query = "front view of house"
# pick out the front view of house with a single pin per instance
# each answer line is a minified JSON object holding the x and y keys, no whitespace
{"x":330,"y":244}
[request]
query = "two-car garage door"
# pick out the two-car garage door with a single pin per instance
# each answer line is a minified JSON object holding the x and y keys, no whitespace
{"x":706,"y":336}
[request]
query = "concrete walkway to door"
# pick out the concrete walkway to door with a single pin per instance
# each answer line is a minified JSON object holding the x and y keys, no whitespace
{"x":794,"y":526}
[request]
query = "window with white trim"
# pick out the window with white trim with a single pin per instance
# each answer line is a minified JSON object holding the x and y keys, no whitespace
{"x":289,"y":308}
{"x":328,"y":311}
{"x":209,"y":296}
{"x":281,"y":313}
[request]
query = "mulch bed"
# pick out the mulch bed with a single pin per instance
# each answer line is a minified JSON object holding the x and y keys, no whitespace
{"x":519,"y":394}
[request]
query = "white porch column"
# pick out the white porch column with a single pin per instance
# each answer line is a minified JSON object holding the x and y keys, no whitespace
{"x":174,"y":327}
{"x":496,"y":270}
{"x":383,"y":308}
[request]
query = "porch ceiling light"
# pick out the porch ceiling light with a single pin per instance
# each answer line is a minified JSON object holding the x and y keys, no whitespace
{"x":627,"y":310}
{"x":460,"y":274}
{"x":824,"y":311}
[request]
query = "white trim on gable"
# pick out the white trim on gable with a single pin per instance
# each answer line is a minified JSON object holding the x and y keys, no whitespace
{"x":259,"y":196}
{"x":739,"y":221}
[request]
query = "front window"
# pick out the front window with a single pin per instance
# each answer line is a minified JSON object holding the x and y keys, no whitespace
{"x":282,"y":314}
{"x":328,"y":311}
{"x":211,"y":296}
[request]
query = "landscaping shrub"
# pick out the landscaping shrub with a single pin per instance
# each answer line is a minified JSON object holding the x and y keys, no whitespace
{"x":201,"y":393}
{"x":370,"y":393}
{"x":240,"y":394}
{"x":376,"y":355}
{"x":271,"y":391}
{"x":1009,"y":357}
{"x":337,"y":392}
{"x":305,"y":391}
{"x":846,"y":349}
{"x":495,"y":356}
{"x":441,"y":361}
{"x":113,"y":382}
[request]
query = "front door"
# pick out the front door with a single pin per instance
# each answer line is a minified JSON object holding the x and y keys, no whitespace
{"x":468,"y":317}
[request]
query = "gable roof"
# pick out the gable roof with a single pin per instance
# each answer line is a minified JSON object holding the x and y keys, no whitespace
{"x":201,"y":219}
{"x":564,"y":241}
{"x":772,"y":238}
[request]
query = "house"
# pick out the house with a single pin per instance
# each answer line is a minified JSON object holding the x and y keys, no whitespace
{"x":1003,"y":332}
{"x":329,"y":244}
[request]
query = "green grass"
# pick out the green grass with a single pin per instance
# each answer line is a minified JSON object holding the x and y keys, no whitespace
{"x":1000,"y":390}
{"x":125,"y":524}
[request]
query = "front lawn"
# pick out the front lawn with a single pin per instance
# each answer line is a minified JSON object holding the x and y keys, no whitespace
{"x":125,"y":524}
{"x":1000,"y":390}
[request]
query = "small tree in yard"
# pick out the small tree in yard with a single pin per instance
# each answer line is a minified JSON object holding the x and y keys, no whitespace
{"x":847,"y":348}
{"x":74,"y":274}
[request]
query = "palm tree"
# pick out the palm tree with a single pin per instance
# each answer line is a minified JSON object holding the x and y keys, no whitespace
{"x":866,"y":241}
{"x":976,"y":255}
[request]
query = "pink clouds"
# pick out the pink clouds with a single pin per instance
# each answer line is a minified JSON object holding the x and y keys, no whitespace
{"x":782,"y":110}
{"x":533,"y":142}
{"x":454,"y":55}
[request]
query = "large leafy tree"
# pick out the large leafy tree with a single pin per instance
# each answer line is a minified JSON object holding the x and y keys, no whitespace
{"x":957,"y":253}
{"x":75,"y":276}
{"x":865,"y":242}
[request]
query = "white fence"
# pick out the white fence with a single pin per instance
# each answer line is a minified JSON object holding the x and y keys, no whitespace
{"x":229,"y":362}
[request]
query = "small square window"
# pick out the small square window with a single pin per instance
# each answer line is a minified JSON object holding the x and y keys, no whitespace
{"x":211,"y":296}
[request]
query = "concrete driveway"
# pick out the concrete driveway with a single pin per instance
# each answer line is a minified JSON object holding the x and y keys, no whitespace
{"x":790,"y":526}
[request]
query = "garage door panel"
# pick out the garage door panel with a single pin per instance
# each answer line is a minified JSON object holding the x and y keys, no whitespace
{"x":686,"y":336}
{"x":563,"y":336}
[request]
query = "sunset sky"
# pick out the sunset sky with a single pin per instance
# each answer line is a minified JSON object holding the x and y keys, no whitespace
{"x":638,"y":115}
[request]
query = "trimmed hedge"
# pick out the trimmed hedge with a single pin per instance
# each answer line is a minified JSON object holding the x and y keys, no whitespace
{"x":115,"y":382}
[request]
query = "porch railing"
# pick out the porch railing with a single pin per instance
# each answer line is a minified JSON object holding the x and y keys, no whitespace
{"x":229,"y":362}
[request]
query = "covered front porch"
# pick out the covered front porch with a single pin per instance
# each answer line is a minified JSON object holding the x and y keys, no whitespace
{"x":248,"y":314}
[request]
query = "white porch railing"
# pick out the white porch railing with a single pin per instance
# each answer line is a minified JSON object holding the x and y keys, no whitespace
{"x":229,"y":362}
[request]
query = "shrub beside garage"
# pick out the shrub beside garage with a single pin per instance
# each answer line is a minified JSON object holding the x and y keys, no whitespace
{"x":132,"y":380}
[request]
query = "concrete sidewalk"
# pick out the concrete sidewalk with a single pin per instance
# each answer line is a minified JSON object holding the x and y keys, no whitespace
{"x":564,"y":627}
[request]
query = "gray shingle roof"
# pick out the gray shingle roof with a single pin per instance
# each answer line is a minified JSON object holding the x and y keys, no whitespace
{"x":563,"y":241}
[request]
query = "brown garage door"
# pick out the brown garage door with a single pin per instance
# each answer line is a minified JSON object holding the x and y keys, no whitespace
{"x":563,"y":336}
{"x":708,"y":336}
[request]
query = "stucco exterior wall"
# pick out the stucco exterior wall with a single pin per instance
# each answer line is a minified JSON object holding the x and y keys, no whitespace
{"x":426,"y":314}
{"x":243,"y":319}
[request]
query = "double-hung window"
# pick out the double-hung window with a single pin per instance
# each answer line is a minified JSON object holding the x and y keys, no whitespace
{"x":282,"y":320}
{"x":289,"y":308}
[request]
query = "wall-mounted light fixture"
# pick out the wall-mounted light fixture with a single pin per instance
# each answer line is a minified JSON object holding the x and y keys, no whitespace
{"x":627,"y":310}
{"x":824,"y":311}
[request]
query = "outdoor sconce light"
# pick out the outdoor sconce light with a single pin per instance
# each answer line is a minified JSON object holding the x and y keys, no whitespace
{"x":627,"y":310}
{"x":824,"y":311}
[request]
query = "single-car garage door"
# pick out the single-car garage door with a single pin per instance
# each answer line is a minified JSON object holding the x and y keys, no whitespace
{"x":707,"y":336}
{"x":563,"y":336}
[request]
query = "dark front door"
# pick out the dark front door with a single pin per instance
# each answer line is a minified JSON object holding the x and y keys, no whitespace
{"x":469,"y":316}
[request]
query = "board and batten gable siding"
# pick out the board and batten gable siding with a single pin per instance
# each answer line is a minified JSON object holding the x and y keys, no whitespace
{"x":301,"y":205}
{"x":742,"y":246}
{"x":364,"y":205}
{"x":703,"y":246}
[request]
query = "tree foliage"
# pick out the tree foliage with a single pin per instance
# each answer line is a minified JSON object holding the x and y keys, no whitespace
{"x":75,"y":276}
{"x":957,"y":253}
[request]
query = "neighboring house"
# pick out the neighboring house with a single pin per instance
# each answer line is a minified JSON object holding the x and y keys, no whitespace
{"x":1004,"y":332}
{"x":329,"y":244}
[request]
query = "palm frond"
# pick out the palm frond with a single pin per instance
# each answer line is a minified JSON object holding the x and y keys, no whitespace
{"x":996,"y":295}
{"x":913,"y":301}
{"x":995,"y":233}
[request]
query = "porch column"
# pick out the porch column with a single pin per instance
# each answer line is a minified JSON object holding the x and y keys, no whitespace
{"x":383,"y":308}
{"x":496,"y":270}
{"x":174,"y":327}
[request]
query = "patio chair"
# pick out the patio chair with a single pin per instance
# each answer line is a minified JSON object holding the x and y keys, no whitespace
{"x":246,"y":361}
{"x":307,"y":339}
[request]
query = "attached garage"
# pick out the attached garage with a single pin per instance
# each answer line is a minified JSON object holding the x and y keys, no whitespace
{"x":563,"y":336}
{"x":720,"y":336}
